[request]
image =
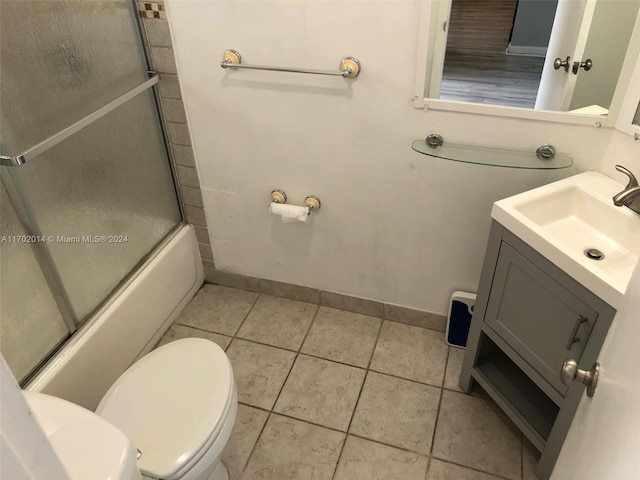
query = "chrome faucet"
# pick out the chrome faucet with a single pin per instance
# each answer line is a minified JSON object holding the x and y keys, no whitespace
{"x":630,"y":196}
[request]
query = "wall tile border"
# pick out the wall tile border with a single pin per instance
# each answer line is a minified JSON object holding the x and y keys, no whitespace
{"x":156,"y":35}
{"x":386,"y":311}
{"x":151,"y":10}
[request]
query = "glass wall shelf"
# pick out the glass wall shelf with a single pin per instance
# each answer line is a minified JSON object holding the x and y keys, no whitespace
{"x":495,"y":157}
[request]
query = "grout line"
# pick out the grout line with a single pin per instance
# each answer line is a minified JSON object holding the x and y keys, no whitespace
{"x":253,"y":406}
{"x":313,"y":320}
{"x":375,"y":345}
{"x":355,"y":407}
{"x":270,"y":411}
{"x":200,"y":329}
{"x":335,"y":469}
{"x":408,"y":379}
{"x":309,"y":422}
{"x":246,"y":463}
{"x":404,"y":449}
{"x":496,"y":475}
{"x":331,"y":360}
{"x":433,"y":437}
{"x":426,"y":474}
{"x":446,"y":366}
{"x":246,"y":316}
{"x":435,"y":425}
{"x":522,"y":455}
{"x":295,"y":359}
{"x":267,"y":344}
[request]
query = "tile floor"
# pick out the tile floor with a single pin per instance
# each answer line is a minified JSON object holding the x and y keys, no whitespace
{"x":327,"y":394}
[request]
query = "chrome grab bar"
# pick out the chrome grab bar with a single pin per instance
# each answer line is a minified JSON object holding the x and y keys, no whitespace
{"x":29,"y":154}
{"x":349,"y":66}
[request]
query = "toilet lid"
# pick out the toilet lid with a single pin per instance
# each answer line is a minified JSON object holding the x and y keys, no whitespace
{"x":170,"y":402}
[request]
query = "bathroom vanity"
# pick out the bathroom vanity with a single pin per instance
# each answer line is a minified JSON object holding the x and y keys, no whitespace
{"x":538,"y":307}
{"x":529,"y":318}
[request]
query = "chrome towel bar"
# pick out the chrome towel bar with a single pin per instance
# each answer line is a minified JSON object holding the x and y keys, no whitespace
{"x":349,"y":66}
{"x":29,"y":154}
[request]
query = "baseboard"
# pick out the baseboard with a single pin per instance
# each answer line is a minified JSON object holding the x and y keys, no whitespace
{"x":527,"y":51}
{"x":365,"y":306}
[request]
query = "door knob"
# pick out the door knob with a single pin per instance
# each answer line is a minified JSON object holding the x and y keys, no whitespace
{"x":587,"y":65}
{"x":571,"y":372}
{"x":558,"y":63}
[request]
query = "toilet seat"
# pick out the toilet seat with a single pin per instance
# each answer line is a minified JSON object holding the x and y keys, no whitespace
{"x":167,"y":411}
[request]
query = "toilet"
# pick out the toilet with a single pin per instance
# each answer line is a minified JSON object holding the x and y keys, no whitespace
{"x":177,"y":406}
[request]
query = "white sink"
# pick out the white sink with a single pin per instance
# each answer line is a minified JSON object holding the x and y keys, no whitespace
{"x":564,"y":219}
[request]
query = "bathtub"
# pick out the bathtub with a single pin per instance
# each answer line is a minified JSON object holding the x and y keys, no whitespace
{"x":128,"y":326}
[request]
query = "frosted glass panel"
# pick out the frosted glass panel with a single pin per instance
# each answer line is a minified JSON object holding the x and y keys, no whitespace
{"x":31,"y":325}
{"x":61,"y":60}
{"x":103,"y":198}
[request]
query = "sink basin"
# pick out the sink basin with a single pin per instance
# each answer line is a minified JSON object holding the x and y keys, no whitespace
{"x":565,"y":219}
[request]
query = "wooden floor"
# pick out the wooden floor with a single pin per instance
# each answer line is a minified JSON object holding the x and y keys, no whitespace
{"x":497,"y":79}
{"x":480,"y":26}
{"x":477,"y":68}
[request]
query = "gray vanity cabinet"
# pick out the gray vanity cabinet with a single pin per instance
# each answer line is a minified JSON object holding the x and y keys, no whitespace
{"x":529,"y":318}
{"x":539,"y":318}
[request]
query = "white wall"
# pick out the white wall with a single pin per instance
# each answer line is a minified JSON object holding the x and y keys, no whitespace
{"x":395,"y":225}
{"x":622,"y":150}
{"x":532,"y":25}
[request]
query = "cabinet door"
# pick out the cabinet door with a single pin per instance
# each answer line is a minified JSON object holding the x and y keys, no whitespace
{"x":537,"y":316}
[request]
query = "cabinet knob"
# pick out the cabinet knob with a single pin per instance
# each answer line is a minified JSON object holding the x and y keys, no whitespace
{"x":571,"y":372}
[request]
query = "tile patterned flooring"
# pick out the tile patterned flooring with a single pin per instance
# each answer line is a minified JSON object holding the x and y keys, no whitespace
{"x":331,"y":395}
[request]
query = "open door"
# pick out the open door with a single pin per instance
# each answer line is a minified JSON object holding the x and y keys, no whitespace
{"x":567,"y":42}
{"x":611,"y":28}
{"x":586,"y":31}
{"x":438,"y":29}
{"x":603,"y":440}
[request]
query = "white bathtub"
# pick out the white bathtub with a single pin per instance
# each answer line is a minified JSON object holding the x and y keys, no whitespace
{"x":127,"y":327}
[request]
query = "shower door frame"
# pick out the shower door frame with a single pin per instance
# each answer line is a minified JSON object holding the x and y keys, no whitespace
{"x":53,"y":281}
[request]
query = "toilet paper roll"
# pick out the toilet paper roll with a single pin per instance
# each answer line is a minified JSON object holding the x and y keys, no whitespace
{"x":289,"y":213}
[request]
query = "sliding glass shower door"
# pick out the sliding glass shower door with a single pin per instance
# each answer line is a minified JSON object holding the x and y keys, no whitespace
{"x":95,"y":193}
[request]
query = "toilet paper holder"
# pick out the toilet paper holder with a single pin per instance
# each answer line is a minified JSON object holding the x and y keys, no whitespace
{"x":312,"y":202}
{"x":278,"y":196}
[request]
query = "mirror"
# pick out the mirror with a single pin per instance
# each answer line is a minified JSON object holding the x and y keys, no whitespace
{"x":502,"y":52}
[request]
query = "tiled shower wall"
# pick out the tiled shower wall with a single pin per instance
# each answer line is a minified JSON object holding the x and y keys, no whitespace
{"x":158,"y":39}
